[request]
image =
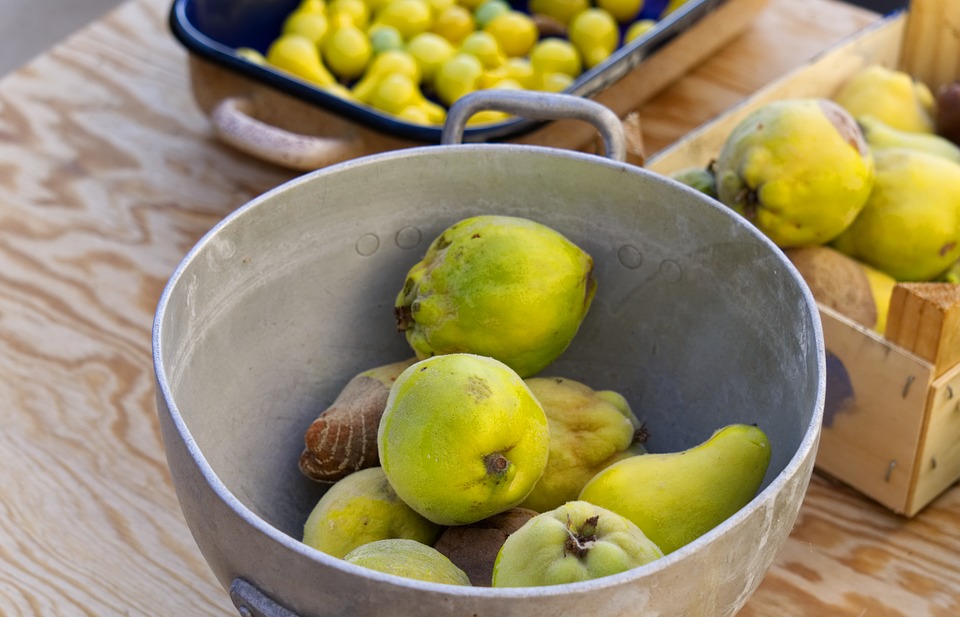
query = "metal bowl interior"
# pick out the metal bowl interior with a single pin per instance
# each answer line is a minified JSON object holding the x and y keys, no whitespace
{"x":698,"y":320}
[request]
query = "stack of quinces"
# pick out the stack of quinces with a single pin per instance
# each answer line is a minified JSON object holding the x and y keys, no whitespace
{"x":861,"y":190}
{"x":414,"y":58}
{"x":466,"y":465}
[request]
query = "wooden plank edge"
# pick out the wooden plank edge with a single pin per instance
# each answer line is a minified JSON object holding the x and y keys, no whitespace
{"x":937,"y":466}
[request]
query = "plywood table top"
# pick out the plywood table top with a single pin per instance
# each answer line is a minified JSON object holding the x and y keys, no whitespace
{"x":109,"y":174}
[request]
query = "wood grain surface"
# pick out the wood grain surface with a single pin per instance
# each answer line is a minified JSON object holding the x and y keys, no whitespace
{"x":109,"y":175}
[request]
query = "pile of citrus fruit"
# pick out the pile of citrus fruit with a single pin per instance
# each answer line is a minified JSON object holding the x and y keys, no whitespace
{"x":412,"y":59}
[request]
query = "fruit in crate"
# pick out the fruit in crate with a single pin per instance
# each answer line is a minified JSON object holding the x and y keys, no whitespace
{"x":462,"y":438}
{"x":948,"y":112}
{"x":343,"y":437}
{"x":363,"y":508}
{"x":889,"y":95}
{"x":677,"y":497}
{"x":578,"y":541}
{"x":798,"y":169}
{"x":702,"y":179}
{"x":846,"y":285}
{"x":498,"y":286}
{"x":589,"y":430}
{"x":409,"y":559}
{"x":910,"y":226}
{"x":880,"y":135}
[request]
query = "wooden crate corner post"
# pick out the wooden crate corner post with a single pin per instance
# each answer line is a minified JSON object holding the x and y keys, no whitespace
{"x":930,"y":51}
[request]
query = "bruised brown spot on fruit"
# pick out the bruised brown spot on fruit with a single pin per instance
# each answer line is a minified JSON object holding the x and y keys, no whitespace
{"x":580,"y":541}
{"x":404,"y":317}
{"x":946,"y":248}
{"x":850,"y":131}
{"x":474,"y":236}
{"x":408,"y":286}
{"x":641,"y":435}
{"x":590,"y":286}
{"x":442,"y":242}
{"x":477,"y":388}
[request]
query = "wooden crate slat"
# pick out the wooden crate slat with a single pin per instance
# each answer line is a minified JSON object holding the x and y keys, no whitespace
{"x":925,"y":319}
{"x":938,"y":465}
{"x":931,"y":43}
{"x":873,"y":420}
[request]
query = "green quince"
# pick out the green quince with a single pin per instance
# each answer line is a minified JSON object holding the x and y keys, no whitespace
{"x":798,"y":169}
{"x":676,"y":497}
{"x":362,"y":508}
{"x":462,"y":438}
{"x":409,"y":559}
{"x":910,"y":227}
{"x":578,"y":541}
{"x":499,"y":286}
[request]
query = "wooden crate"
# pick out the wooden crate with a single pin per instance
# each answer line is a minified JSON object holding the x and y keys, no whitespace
{"x":892,"y":418}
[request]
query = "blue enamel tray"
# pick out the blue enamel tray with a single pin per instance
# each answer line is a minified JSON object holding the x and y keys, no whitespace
{"x":213,"y":29}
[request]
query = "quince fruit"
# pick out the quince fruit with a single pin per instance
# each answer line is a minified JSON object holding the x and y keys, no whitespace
{"x":578,"y":541}
{"x":798,"y":169}
{"x":362,"y":508}
{"x":677,"y":497}
{"x":462,"y":438}
{"x":891,"y":96}
{"x":589,"y":430}
{"x":910,"y":227}
{"x":498,"y":286}
{"x":409,"y":559}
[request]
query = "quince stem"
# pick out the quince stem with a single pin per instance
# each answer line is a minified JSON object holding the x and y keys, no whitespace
{"x":641,"y":435}
{"x":750,"y":201}
{"x":496,"y":463}
{"x":581,"y":540}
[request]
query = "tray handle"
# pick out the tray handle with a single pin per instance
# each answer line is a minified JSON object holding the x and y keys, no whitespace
{"x":538,"y":106}
{"x":234,"y":123}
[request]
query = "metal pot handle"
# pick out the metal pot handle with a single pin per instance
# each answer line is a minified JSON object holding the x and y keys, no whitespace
{"x":537,"y":106}
{"x":234,"y":123}
{"x":251,"y":602}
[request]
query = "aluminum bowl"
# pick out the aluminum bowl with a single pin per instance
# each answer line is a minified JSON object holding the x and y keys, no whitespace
{"x":698,"y":320}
